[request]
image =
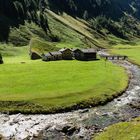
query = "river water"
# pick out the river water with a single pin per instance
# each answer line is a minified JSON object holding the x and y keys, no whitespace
{"x":81,"y":124}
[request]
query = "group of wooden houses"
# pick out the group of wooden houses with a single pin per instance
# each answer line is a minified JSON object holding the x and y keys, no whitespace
{"x":68,"y":54}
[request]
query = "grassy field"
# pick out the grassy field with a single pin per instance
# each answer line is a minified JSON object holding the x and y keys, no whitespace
{"x":121,"y":131}
{"x":132,"y":51}
{"x":36,"y":86}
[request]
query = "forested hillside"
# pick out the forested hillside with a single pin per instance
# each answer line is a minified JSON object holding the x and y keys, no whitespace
{"x":117,"y":17}
{"x":91,"y":8}
{"x":15,"y":12}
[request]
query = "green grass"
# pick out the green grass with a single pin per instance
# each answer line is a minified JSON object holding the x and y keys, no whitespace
{"x":21,"y":36}
{"x":42,"y":46}
{"x":70,"y":38}
{"x":53,"y":86}
{"x":121,"y":131}
{"x":132,"y":51}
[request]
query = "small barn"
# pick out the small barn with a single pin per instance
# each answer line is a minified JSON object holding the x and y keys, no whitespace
{"x":47,"y":57}
{"x":1,"y":60}
{"x":85,"y":54}
{"x":34,"y":56}
{"x":52,"y":56}
{"x":66,"y":53}
{"x":56,"y":55}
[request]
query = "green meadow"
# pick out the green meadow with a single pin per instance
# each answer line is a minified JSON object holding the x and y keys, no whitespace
{"x":132,"y":51}
{"x":121,"y":131}
{"x":46,"y":87}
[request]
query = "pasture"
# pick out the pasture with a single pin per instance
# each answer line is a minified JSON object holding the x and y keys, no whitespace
{"x":132,"y":51}
{"x":121,"y":131}
{"x":36,"y":86}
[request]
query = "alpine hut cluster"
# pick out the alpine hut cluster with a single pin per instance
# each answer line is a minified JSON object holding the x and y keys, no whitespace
{"x":69,"y":54}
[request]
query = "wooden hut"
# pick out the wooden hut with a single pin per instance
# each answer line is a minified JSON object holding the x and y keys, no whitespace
{"x":34,"y":56}
{"x":47,"y":57}
{"x":52,"y":56}
{"x":1,"y":61}
{"x":66,"y":53}
{"x":56,"y":55}
{"x":85,"y":54}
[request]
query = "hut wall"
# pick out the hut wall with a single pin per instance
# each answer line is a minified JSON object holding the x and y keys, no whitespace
{"x":58,"y":57}
{"x":90,"y":56}
{"x":79,"y":55}
{"x":48,"y":58}
{"x":67,"y":55}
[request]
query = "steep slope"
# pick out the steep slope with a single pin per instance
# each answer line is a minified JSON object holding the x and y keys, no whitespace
{"x":76,"y":25}
{"x":117,"y":17}
{"x":102,"y":22}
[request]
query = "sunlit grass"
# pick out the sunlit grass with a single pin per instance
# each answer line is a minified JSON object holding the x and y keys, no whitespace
{"x":121,"y":131}
{"x":59,"y":84}
{"x":132,"y":51}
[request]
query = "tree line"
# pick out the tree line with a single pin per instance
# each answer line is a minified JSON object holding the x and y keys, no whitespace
{"x":16,"y":12}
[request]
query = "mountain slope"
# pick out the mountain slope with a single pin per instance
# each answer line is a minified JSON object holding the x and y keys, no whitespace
{"x":15,"y":12}
{"x":92,"y":8}
{"x":103,"y":22}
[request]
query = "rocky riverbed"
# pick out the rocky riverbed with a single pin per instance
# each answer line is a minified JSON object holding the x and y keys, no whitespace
{"x":81,"y":124}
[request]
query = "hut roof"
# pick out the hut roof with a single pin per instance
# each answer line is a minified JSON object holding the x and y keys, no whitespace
{"x":64,"y":49}
{"x":88,"y":50}
{"x":55,"y":53}
{"x":48,"y":55}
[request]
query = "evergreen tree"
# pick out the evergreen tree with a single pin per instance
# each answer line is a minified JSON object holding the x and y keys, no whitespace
{"x":16,"y":12}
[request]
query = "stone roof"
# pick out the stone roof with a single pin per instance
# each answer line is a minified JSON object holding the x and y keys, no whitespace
{"x":48,"y":55}
{"x":88,"y":50}
{"x":64,"y":49}
{"x":55,"y":53}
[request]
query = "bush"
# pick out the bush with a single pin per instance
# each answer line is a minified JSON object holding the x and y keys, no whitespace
{"x":1,"y":61}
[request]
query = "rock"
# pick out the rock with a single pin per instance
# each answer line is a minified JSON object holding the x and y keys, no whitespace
{"x":1,"y":137}
{"x":59,"y":128}
{"x":69,"y":130}
{"x":118,"y":99}
{"x":105,"y":114}
{"x":96,"y":128}
{"x":84,"y":111}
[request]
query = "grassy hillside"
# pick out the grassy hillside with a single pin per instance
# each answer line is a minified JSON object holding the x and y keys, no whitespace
{"x":21,"y":36}
{"x":69,"y":23}
{"x":26,"y":19}
{"x":121,"y":131}
{"x":69,"y":32}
